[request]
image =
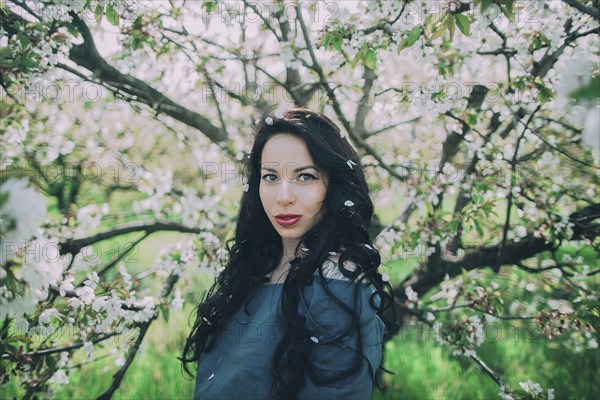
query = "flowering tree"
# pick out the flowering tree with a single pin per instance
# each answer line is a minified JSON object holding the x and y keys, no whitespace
{"x":155,"y":101}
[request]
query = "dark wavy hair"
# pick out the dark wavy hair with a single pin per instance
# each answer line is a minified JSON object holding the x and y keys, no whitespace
{"x":257,"y":250}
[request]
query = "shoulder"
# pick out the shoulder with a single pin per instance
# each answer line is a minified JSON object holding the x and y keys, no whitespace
{"x":331,"y":267}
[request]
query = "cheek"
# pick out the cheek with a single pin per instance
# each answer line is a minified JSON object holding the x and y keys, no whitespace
{"x":319,"y":198}
{"x":266,"y":195}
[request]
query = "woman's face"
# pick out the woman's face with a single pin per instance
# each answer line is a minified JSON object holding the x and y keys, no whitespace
{"x":292,"y":190}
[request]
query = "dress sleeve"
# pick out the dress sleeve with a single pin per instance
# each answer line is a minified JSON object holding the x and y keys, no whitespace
{"x":325,"y":321}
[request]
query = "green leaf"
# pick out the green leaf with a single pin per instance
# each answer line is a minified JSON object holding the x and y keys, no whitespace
{"x":23,"y":41}
{"x":485,"y":4}
{"x":544,"y":94}
{"x":99,"y":12}
{"x":209,"y":6}
{"x":411,"y":39}
{"x":332,"y":39}
{"x":453,"y":226}
{"x":28,"y":62}
{"x":136,"y":43}
{"x":165,"y":313}
{"x":478,"y":227}
{"x":5,"y":52}
{"x":336,"y":41}
{"x":371,"y":59}
{"x":111,"y":15}
{"x":507,"y":9}
{"x":463,"y":24}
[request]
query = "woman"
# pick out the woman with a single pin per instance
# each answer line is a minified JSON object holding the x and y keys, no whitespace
{"x":298,"y":311}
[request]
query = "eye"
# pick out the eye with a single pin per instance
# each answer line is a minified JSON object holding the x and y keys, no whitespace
{"x":306,"y":177}
{"x":267,"y":177}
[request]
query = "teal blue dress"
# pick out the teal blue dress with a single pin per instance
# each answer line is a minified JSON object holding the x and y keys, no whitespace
{"x":239,"y":366}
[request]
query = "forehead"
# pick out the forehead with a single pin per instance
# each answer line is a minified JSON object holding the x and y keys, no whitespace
{"x":285,"y":148}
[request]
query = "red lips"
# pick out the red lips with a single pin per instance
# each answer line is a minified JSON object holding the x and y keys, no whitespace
{"x":287,"y":220}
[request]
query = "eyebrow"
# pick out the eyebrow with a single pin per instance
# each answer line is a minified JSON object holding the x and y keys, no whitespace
{"x":296,"y":170}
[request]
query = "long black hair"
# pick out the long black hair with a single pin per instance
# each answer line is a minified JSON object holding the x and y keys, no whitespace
{"x":257,"y":250}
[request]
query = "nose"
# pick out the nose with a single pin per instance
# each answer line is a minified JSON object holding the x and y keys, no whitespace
{"x":285,"y":195}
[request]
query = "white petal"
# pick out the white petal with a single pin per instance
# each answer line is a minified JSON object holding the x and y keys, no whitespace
{"x":245,"y":187}
{"x":385,"y":277}
{"x":367,"y":246}
{"x":314,"y":339}
{"x":269,"y":121}
{"x":350,"y":163}
{"x":332,"y":253}
{"x":210,"y":377}
{"x":348,"y":203}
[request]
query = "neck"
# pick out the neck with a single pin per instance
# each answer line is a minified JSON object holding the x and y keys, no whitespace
{"x":280,"y":273}
{"x":289,"y":247}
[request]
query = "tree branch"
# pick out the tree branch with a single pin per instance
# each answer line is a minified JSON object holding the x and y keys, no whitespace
{"x":86,"y":55}
{"x":591,"y":11}
{"x":118,"y":377}
{"x":431,"y":274}
{"x":74,"y":246}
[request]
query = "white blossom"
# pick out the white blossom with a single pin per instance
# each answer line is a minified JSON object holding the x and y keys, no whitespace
{"x":92,"y":280}
{"x":177,"y":302}
{"x":20,"y":214}
{"x":505,"y":396}
{"x":85,"y":294}
{"x":66,"y":285}
{"x":60,"y":377}
{"x":530,"y":387}
{"x":411,"y":294}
